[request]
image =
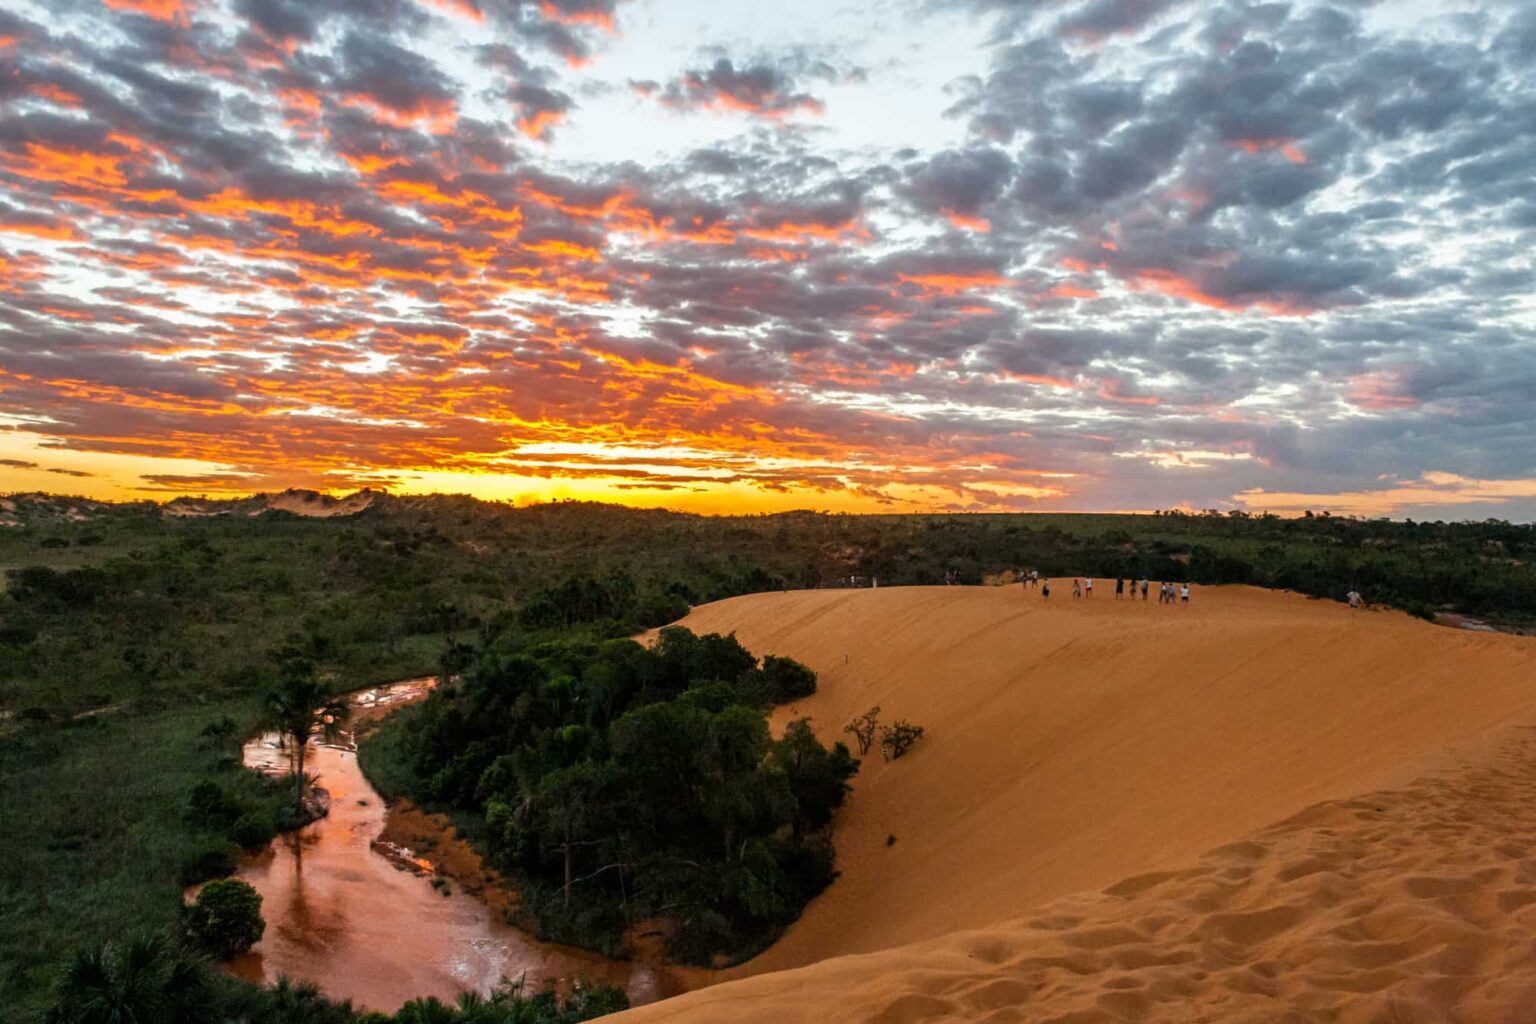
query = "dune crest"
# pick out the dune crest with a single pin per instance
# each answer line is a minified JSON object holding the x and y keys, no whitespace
{"x":1089,"y":745}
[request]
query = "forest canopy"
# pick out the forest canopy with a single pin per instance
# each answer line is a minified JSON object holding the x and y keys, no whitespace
{"x":622,"y":783}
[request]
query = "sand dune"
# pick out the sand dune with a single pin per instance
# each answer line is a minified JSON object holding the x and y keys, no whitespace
{"x":1411,"y":906}
{"x":1075,"y":745}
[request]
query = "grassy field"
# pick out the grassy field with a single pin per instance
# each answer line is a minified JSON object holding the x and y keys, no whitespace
{"x":134,"y":647}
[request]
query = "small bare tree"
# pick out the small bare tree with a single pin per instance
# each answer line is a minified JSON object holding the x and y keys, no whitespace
{"x":897,"y":739}
{"x":864,"y":727}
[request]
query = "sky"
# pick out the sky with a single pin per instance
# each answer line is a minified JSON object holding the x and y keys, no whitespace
{"x":855,"y":255}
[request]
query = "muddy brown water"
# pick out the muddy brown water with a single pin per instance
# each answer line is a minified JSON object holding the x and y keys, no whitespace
{"x":367,"y":923}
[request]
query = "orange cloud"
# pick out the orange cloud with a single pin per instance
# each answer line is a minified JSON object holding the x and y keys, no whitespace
{"x":953,"y":284}
{"x":539,"y":124}
{"x":1287,"y":148}
{"x":595,"y":18}
{"x":172,"y":11}
{"x":1179,"y":287}
{"x":463,"y":8}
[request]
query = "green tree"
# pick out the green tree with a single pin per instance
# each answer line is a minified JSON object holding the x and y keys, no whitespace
{"x":145,"y":979}
{"x":225,"y":919}
{"x":568,"y":807}
{"x":299,"y":707}
{"x":817,"y":777}
{"x":787,"y":679}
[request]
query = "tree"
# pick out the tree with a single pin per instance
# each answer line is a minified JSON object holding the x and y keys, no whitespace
{"x":226,"y":919}
{"x":145,"y":978}
{"x":864,"y":727}
{"x":298,"y":707}
{"x":568,"y":808}
{"x":817,"y":777}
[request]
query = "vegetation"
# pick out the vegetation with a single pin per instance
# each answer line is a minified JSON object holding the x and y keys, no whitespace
{"x":143,"y":979}
{"x":225,"y":919}
{"x":298,"y":707}
{"x":864,"y":728}
{"x":623,"y":783}
{"x":896,"y":739}
{"x":148,"y":979}
{"x":136,"y":647}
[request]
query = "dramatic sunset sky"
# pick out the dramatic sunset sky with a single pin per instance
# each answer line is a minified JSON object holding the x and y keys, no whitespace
{"x":864,"y":255}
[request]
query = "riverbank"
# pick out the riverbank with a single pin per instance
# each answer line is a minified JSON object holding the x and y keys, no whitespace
{"x":380,"y":905}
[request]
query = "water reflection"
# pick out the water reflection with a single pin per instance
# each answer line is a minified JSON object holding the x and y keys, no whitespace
{"x":354,"y":920}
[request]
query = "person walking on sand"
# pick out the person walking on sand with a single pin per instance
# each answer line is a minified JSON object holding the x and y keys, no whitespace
{"x":1045,"y":589}
{"x":1354,"y":599}
{"x":1119,"y":587}
{"x":1077,"y":586}
{"x":1088,"y":585}
{"x":1184,"y":594}
{"x":1145,"y":586}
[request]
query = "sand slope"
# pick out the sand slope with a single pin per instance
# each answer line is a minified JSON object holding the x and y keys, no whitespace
{"x":1415,"y":906}
{"x":1074,"y":744}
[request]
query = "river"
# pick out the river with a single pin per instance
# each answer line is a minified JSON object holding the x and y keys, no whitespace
{"x":365,"y":922}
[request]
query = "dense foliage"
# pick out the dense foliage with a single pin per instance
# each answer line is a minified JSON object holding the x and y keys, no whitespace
{"x":136,"y":646}
{"x":149,"y":979}
{"x":623,"y":783}
{"x":225,"y":919}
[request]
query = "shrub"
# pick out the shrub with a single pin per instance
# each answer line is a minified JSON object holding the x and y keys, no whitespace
{"x":896,"y":740}
{"x":253,"y":829}
{"x":225,"y":920}
{"x":864,"y":728}
{"x":211,"y":806}
{"x":214,"y":861}
{"x":787,"y":679}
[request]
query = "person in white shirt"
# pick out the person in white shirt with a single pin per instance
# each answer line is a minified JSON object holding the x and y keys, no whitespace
{"x":1184,"y":593}
{"x":1088,"y":585}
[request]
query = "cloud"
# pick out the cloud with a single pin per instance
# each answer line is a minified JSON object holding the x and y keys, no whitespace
{"x":761,"y":89}
{"x":1209,"y":253}
{"x":1433,"y":493}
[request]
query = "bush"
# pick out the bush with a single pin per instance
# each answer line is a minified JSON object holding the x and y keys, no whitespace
{"x":214,"y":861}
{"x":211,"y":806}
{"x":225,"y":920}
{"x":253,"y":830}
{"x":787,"y":679}
{"x":896,"y":740}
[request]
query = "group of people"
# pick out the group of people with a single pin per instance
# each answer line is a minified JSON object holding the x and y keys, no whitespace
{"x":1082,"y":586}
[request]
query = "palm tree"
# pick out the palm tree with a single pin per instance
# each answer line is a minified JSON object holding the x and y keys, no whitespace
{"x":299,"y":707}
{"x":143,"y":980}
